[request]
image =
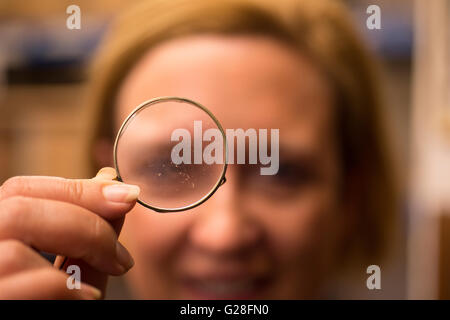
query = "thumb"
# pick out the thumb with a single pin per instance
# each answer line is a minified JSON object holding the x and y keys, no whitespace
{"x":106,"y":173}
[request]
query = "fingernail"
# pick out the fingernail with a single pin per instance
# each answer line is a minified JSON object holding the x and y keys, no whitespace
{"x":121,"y":192}
{"x":123,"y":256}
{"x":91,"y":292}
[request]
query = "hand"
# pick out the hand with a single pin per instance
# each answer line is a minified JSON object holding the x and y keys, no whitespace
{"x":79,"y":219}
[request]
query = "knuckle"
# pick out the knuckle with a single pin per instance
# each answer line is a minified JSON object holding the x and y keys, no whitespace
{"x":96,"y":236}
{"x":13,"y":186}
{"x":54,"y":278}
{"x":100,"y":229}
{"x":57,"y":280}
{"x":12,"y":211}
{"x":13,"y":254}
{"x":101,"y":235}
{"x":53,"y":273}
{"x":74,"y":189}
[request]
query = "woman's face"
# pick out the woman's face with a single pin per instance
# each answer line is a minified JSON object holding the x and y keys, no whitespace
{"x":272,"y":236}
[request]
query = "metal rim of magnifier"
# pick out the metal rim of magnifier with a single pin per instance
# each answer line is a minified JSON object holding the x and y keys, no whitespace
{"x":148,"y":103}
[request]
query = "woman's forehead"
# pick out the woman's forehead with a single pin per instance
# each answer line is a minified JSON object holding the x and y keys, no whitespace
{"x":246,"y":81}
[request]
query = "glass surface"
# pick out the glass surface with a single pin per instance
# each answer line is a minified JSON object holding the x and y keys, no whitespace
{"x":155,"y":138}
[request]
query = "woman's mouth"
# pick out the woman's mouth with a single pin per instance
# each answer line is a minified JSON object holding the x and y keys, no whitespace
{"x":224,"y":287}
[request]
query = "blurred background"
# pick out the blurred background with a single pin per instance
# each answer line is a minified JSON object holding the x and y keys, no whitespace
{"x":43,"y":118}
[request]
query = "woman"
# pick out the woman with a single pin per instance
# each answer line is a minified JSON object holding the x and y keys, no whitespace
{"x":293,"y":65}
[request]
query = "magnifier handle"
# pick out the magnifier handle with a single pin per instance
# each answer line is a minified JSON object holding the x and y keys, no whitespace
{"x":63,"y":260}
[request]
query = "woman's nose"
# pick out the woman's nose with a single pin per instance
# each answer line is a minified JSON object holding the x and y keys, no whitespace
{"x":222,"y":226}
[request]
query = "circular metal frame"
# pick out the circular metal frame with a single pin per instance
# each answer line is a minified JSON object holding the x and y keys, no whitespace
{"x":150,"y":102}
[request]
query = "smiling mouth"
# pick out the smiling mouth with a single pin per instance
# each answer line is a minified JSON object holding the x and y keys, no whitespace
{"x":226,"y":288}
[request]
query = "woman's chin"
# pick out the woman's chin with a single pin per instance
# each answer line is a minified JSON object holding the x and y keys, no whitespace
{"x":222,"y":289}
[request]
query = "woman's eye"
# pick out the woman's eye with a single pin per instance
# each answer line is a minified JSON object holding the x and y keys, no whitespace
{"x":290,"y":178}
{"x":295,"y":174}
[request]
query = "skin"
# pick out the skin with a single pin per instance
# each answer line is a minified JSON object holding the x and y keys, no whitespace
{"x":257,"y":237}
{"x":30,"y":217}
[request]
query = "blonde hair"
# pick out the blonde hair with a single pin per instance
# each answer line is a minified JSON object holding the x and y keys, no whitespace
{"x":320,"y":29}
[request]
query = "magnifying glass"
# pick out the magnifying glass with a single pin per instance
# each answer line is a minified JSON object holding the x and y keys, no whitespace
{"x":175,"y":150}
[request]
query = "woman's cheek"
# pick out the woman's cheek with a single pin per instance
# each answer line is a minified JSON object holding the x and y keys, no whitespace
{"x":291,"y":234}
{"x":154,"y":237}
{"x":300,"y":238}
{"x":154,"y":241}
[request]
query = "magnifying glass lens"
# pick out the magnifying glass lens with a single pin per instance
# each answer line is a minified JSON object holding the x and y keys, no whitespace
{"x":174,"y":150}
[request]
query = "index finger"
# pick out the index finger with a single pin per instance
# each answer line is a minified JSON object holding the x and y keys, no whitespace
{"x":108,"y":198}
